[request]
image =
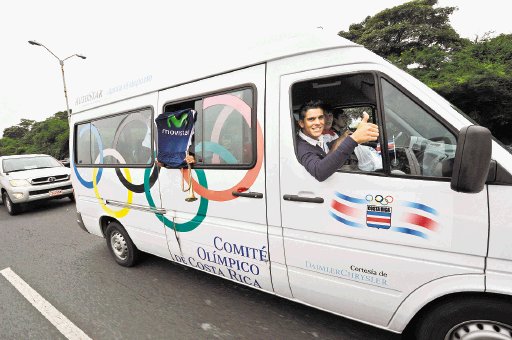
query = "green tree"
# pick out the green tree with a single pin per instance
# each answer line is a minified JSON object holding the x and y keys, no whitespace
{"x":50,"y":136}
{"x":20,"y":130}
{"x":474,"y":75}
{"x":479,"y":81}
{"x":412,"y":33}
{"x":15,"y":132}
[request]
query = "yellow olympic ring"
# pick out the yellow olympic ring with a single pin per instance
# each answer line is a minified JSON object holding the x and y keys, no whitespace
{"x":124,"y":211}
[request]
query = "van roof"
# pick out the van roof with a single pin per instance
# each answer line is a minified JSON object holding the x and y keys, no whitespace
{"x":225,"y":58}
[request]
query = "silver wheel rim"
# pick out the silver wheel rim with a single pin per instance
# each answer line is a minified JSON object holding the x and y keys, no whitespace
{"x":480,"y":330}
{"x":118,"y":245}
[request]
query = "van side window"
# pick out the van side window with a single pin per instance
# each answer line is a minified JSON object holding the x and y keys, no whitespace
{"x":106,"y":128}
{"x":83,"y":144}
{"x":120,"y":139}
{"x":133,"y":139}
{"x":418,"y":144}
{"x":225,"y":128}
{"x":347,"y":97}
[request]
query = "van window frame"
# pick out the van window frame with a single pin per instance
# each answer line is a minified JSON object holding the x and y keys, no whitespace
{"x":380,"y":114}
{"x":127,"y":165}
{"x":423,"y":106}
{"x":377,"y":109}
{"x":254,"y":122}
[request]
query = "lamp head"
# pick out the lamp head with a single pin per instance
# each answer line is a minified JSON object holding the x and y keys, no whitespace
{"x":33,"y":42}
{"x":81,"y":56}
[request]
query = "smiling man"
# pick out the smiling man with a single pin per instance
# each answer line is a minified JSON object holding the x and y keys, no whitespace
{"x":322,"y":159}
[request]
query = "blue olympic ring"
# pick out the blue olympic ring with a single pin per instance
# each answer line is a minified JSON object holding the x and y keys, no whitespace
{"x":89,"y":184}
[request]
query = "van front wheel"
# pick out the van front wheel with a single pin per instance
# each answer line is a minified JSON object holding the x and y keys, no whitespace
{"x":121,"y":246}
{"x":471,"y":318}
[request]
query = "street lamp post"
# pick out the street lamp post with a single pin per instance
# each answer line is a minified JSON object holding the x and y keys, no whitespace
{"x":61,"y":62}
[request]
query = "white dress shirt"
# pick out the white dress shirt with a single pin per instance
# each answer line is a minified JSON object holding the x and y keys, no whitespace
{"x":315,"y":142}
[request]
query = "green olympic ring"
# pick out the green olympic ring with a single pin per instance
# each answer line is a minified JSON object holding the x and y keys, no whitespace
{"x":181,"y":227}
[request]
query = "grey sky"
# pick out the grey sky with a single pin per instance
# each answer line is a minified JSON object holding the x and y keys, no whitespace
{"x":117,"y":36}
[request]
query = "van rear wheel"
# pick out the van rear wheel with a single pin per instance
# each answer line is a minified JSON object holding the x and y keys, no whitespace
{"x":471,"y":318}
{"x":121,"y":246}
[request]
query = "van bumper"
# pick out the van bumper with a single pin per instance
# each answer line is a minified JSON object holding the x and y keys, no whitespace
{"x":81,"y":222}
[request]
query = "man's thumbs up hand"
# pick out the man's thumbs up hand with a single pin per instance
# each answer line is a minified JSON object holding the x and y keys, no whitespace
{"x":365,"y":132}
{"x":365,"y":117}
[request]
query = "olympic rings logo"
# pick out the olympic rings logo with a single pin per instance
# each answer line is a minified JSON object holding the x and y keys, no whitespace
{"x":380,"y":199}
{"x":150,"y":177}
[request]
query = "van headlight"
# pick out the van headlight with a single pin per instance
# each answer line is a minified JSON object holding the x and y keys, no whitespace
{"x":19,"y":182}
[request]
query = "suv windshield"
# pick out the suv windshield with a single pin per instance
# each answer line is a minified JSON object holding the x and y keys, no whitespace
{"x":28,"y":163}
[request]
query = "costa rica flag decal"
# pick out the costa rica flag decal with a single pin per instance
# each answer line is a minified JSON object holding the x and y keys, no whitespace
{"x":378,"y":216}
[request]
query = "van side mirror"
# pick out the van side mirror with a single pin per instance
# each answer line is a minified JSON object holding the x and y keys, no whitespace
{"x":472,"y":159}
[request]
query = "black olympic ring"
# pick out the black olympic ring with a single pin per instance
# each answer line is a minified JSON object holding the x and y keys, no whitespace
{"x":138,"y":188}
{"x":380,"y":199}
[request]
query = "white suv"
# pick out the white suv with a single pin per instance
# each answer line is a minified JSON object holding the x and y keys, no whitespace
{"x":26,"y":178}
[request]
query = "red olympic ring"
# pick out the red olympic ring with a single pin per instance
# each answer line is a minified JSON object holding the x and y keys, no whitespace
{"x":251,"y":175}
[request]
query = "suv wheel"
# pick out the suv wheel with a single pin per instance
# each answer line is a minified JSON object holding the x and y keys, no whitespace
{"x":12,"y":208}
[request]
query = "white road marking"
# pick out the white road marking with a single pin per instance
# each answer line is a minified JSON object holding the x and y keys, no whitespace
{"x":66,"y":327}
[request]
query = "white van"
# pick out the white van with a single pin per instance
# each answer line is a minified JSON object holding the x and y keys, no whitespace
{"x":439,"y":260}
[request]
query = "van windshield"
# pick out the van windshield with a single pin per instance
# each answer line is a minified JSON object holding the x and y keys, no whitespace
{"x":29,"y":163}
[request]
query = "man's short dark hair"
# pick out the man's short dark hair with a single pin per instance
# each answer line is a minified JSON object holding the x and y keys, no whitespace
{"x":338,"y":111}
{"x":312,"y":104}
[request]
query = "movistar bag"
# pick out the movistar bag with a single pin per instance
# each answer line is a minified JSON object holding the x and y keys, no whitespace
{"x":174,"y":131}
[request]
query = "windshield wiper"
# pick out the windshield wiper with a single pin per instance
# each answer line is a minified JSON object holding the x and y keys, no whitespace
{"x":42,"y":167}
{"x":8,"y":172}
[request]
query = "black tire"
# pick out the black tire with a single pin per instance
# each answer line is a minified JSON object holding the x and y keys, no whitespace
{"x":72,"y":197}
{"x":470,"y":317}
{"x":121,"y":246}
{"x":12,"y":208}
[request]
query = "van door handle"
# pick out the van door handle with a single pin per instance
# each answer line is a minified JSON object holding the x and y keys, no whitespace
{"x":298,"y":198}
{"x":248,"y":194}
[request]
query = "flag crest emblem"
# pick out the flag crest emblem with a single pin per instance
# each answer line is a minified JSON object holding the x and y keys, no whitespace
{"x":378,"y":216}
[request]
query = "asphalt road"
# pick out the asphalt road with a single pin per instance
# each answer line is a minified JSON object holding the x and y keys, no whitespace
{"x":157,"y":299}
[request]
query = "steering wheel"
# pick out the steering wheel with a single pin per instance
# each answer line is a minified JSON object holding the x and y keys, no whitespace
{"x":412,"y":160}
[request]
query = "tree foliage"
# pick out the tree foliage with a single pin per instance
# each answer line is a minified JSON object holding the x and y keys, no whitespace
{"x":50,"y":136}
{"x":415,"y":27}
{"x":476,"y":76}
